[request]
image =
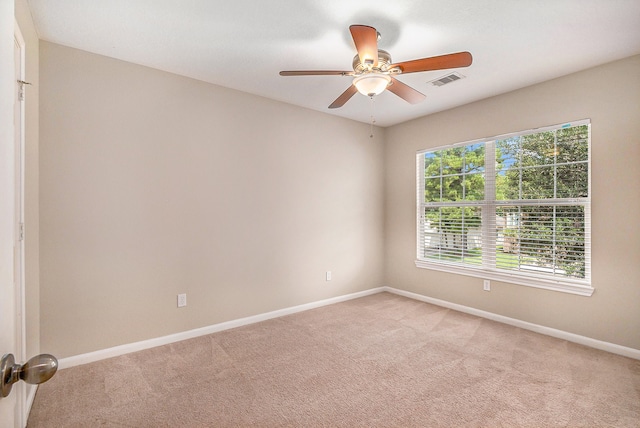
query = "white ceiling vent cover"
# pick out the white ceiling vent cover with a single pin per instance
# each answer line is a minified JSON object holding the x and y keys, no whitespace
{"x":451,"y":77}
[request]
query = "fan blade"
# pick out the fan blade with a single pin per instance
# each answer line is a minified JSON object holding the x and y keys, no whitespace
{"x":454,"y":60}
{"x":405,"y":92}
{"x":316,"y":73}
{"x":346,"y":96}
{"x":366,"y":40}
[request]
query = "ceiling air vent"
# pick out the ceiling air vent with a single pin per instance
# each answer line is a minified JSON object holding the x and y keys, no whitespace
{"x":451,"y":77}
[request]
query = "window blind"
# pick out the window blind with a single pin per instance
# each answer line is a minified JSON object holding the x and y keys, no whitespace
{"x":517,"y":205}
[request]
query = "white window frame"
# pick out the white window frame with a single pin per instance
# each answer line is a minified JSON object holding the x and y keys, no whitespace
{"x":488,"y":270}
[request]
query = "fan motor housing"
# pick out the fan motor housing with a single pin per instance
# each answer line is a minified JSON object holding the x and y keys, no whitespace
{"x":384,"y":61}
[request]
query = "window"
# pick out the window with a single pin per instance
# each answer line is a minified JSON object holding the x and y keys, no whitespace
{"x":514,"y":208}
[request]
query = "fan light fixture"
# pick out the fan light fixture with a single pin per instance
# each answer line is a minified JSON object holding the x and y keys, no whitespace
{"x":371,"y":84}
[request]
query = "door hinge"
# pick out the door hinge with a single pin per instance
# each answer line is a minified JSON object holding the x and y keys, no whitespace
{"x":21,"y":90}
{"x":21,"y":232}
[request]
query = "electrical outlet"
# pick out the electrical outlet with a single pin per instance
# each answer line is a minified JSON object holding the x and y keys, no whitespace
{"x":487,"y":285}
{"x":182,"y":300}
{"x":328,"y":275}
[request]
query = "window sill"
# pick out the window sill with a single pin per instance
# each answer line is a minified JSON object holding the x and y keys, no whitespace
{"x":565,"y":286}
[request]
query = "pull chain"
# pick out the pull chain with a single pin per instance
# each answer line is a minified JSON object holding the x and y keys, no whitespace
{"x":373,"y":120}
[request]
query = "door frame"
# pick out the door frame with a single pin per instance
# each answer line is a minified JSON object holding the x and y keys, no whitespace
{"x":19,"y":231}
{"x":8,"y":405}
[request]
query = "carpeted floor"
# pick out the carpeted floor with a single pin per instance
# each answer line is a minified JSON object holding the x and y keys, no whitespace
{"x":377,"y":361}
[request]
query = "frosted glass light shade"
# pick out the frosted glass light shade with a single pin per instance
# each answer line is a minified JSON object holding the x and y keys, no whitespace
{"x":371,"y":84}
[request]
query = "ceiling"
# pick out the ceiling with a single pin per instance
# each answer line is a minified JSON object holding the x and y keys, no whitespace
{"x":243,"y":44}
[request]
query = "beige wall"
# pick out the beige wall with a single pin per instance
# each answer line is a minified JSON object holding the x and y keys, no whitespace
{"x":153,"y":184}
{"x":610,"y":96}
{"x":31,"y":173}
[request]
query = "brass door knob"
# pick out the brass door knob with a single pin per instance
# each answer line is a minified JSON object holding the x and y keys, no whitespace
{"x":38,"y":369}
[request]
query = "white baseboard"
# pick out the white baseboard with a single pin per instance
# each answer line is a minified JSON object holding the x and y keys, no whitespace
{"x":103,"y":354}
{"x":560,"y":334}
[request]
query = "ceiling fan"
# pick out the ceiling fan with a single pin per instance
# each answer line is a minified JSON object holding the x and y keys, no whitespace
{"x":374,"y":71}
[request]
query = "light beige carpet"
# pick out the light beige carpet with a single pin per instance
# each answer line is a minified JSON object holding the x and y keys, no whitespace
{"x":382,"y":360}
